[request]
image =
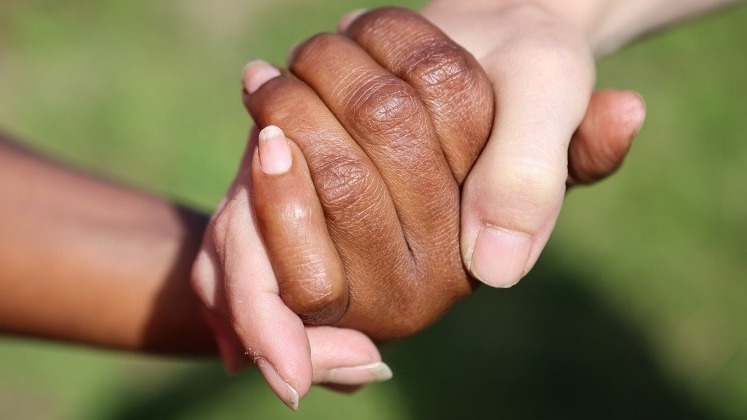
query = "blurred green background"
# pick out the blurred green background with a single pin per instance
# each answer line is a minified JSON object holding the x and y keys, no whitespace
{"x":636,"y":310}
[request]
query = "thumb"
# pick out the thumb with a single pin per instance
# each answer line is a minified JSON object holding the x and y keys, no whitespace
{"x":513,"y":195}
{"x":289,"y":355}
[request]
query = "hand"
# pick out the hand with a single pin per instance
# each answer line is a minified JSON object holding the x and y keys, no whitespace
{"x":283,"y":103}
{"x":542,"y":71}
{"x":231,"y":275}
{"x":237,"y":288}
{"x":389,"y":129}
{"x":343,"y":274}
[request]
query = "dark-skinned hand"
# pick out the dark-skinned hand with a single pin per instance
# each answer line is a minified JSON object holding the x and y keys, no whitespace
{"x":359,"y":205}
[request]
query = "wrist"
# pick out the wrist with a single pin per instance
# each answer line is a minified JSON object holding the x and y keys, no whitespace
{"x":605,"y":24}
{"x":611,"y":24}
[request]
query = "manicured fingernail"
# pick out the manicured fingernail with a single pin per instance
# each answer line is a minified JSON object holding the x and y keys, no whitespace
{"x":274,"y":151}
{"x":256,"y":73}
{"x":500,"y":257}
{"x":349,"y":18}
{"x":358,"y":375}
{"x":282,"y":389}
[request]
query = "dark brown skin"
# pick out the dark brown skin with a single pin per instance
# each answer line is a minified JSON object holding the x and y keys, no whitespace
{"x":390,"y":117}
{"x":399,"y":264}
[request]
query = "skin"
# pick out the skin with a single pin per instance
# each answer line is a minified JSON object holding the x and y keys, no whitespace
{"x":142,"y":273}
{"x":87,"y":260}
{"x":539,"y":56}
{"x":345,"y":133}
{"x":144,"y":277}
{"x":391,"y":129}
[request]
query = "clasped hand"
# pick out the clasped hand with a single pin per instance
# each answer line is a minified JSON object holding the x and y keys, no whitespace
{"x":344,"y":216}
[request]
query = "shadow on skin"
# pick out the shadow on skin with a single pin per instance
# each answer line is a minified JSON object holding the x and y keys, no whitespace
{"x":545,"y":349}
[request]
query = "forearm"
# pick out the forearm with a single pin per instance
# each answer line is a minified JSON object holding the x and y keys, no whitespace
{"x":610,"y":24}
{"x":88,"y":261}
{"x":607,"y":24}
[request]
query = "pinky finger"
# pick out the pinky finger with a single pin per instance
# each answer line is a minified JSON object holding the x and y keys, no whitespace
{"x":291,"y":219}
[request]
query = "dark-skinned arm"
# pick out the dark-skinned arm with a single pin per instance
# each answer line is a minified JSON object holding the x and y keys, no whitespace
{"x":91,"y":261}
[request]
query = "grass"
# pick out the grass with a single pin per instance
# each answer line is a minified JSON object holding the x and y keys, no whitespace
{"x":636,"y":309}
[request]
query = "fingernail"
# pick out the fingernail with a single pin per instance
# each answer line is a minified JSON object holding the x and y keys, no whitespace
{"x":274,"y":151}
{"x":282,"y":389}
{"x":359,"y":375}
{"x":256,"y":73}
{"x":500,"y":257}
{"x":636,"y":113}
{"x":349,"y":18}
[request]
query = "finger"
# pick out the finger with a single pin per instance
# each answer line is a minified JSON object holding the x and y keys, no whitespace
{"x":206,"y":275}
{"x":272,"y":336}
{"x":603,"y":139}
{"x":513,"y":195}
{"x":447,"y":78}
{"x":345,"y":357}
{"x":229,"y":346}
{"x":339,"y":356}
{"x":361,"y":217}
{"x":207,"y":283}
{"x":392,"y":125}
{"x":304,"y":259}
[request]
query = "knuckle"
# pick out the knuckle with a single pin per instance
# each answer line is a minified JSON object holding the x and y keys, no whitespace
{"x":343,"y":180}
{"x":384,"y":104}
{"x":546,"y":54}
{"x":551,"y":53}
{"x":321,"y":307}
{"x":226,"y":225}
{"x":295,"y":214}
{"x":521,"y":195}
{"x":538,"y":185}
{"x":456,"y":89}
{"x":312,"y":296}
{"x":204,"y":280}
{"x":221,"y":225}
{"x":444,"y":65}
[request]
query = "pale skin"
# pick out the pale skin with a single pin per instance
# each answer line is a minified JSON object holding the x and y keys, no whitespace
{"x":539,"y":55}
